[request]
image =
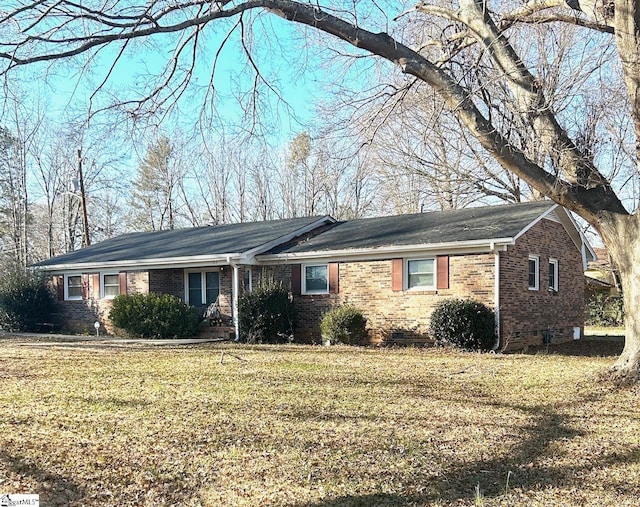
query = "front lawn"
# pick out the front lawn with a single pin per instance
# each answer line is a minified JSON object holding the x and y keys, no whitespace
{"x":306,"y":426}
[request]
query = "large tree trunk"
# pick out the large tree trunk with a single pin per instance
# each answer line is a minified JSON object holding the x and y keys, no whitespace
{"x":621,"y":235}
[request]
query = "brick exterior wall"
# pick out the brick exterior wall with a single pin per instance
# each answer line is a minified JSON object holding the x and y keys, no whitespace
{"x":401,"y":315}
{"x":167,"y":281}
{"x":79,"y":315}
{"x":137,"y":282}
{"x":525,"y":315}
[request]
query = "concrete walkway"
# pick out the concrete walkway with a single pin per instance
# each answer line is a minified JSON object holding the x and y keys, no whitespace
{"x":56,"y":339}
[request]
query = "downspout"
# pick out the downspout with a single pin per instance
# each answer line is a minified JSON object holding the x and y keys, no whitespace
{"x":235,"y":290}
{"x":496,"y":294}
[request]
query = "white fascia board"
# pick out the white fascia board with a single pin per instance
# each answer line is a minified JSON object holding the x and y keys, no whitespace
{"x":141,"y":265}
{"x":576,"y":235}
{"x":249,"y":254}
{"x":552,"y":207}
{"x":579,"y":239}
{"x":366,"y":254}
{"x":584,"y":242}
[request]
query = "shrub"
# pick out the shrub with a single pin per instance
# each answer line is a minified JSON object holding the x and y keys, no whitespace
{"x":463,"y":323}
{"x":345,"y":324}
{"x":266,"y":315}
{"x":25,"y":300}
{"x":154,"y":316}
{"x":604,"y":310}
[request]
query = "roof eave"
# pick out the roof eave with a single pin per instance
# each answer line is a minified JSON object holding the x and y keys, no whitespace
{"x":143,"y":264}
{"x":245,"y":257}
{"x":552,"y":207}
{"x":386,"y":252}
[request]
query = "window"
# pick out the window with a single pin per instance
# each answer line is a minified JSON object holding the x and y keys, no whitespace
{"x":315,"y":279}
{"x":110,"y":285}
{"x":247,"y":281}
{"x":553,"y":275}
{"x":534,"y":272}
{"x":421,"y":274}
{"x":202,"y":288}
{"x":73,"y":287}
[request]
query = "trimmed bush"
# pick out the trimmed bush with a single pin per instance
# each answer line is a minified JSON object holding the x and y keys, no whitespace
{"x":154,"y":316}
{"x":25,"y":300}
{"x":345,"y":324}
{"x":463,"y":323}
{"x":266,"y":315}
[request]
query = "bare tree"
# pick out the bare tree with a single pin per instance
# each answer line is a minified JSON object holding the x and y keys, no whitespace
{"x":18,"y":140}
{"x":475,"y":61}
{"x":214,"y":181}
{"x":13,"y":197}
{"x":421,"y":145}
{"x":262,"y":190}
{"x":54,"y":165}
{"x":350,"y":180}
{"x":306,"y":169}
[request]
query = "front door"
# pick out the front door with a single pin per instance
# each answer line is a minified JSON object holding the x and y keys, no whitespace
{"x":203,"y":287}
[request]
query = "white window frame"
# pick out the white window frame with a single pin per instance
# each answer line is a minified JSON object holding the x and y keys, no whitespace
{"x":67,"y":297}
{"x":103,"y":284}
{"x":203,"y":282}
{"x":303,"y":276}
{"x":536,"y":259}
{"x":420,"y":287}
{"x":554,"y":262}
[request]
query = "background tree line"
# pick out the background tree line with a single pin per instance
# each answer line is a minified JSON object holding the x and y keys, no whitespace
{"x":167,"y":180}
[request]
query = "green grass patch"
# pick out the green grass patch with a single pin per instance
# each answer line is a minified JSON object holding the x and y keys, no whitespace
{"x":314,"y":426}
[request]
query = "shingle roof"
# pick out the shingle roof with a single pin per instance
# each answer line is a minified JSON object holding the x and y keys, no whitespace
{"x":178,"y":243}
{"x":456,"y":226}
{"x":469,"y":224}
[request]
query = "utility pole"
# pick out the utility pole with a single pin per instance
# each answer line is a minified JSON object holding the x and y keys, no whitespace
{"x":83,"y":202}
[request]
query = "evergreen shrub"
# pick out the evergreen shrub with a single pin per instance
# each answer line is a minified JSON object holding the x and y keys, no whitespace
{"x":25,"y":300}
{"x":463,"y":323}
{"x":266,"y":315}
{"x":154,"y":316}
{"x":345,"y":324}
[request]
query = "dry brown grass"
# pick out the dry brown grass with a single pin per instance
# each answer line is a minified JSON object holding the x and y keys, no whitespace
{"x":311,"y":426}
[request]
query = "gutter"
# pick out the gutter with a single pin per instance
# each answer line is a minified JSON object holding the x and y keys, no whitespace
{"x":386,"y":252}
{"x":496,"y":296}
{"x":144,"y":264}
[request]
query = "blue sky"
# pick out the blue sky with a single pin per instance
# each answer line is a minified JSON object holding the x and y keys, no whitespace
{"x":69,"y":87}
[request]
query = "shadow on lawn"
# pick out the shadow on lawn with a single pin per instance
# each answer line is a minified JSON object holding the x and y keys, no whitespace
{"x":586,"y":348}
{"x":110,"y":402}
{"x":458,"y":483}
{"x":55,"y":490}
{"x":528,"y":466}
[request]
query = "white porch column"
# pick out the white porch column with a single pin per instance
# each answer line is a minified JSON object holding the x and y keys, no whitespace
{"x":235,"y":290}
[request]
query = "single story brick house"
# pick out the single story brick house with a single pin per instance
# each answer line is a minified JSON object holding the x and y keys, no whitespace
{"x":526,"y":261}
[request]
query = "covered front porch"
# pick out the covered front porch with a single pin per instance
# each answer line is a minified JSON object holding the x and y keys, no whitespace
{"x":214,"y":290}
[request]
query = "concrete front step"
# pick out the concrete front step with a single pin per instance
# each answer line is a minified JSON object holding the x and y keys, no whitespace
{"x":219,"y":332}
